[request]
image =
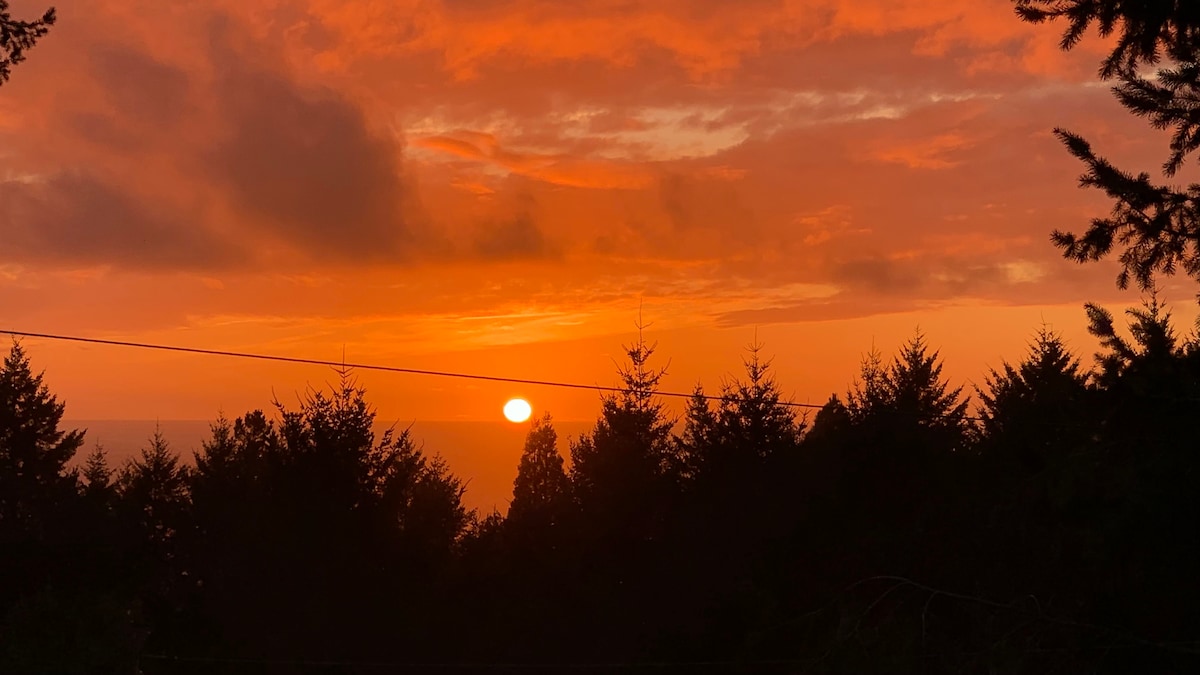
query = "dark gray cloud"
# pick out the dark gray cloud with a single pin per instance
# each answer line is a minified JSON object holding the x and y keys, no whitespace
{"x":303,"y":174}
{"x":139,"y":87}
{"x":838,"y":308}
{"x":104,"y":130}
{"x":692,"y":203}
{"x":142,"y":100}
{"x":76,"y":218}
{"x":303,"y":164}
{"x":517,"y":238}
{"x":874,"y":285}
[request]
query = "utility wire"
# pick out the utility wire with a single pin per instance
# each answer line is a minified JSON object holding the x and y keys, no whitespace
{"x":467,"y":665}
{"x":389,"y":369}
{"x":365,"y":366}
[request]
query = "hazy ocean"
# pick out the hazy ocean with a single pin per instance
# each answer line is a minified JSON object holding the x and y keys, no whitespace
{"x":485,"y":454}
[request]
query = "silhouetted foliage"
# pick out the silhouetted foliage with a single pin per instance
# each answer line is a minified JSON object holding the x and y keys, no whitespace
{"x":18,"y":37}
{"x":97,"y":475}
{"x":155,"y":488}
{"x":894,"y":536}
{"x":1158,"y":226}
{"x":33,"y":450}
{"x":619,"y":469}
{"x":313,"y":524}
{"x":542,"y":491}
{"x":1038,"y":407}
{"x":751,"y":422}
{"x":62,"y":603}
{"x":154,"y":508}
{"x":36,"y":487}
{"x":909,"y":397}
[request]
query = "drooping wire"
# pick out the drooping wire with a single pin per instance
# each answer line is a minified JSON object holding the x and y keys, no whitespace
{"x":363,"y":366}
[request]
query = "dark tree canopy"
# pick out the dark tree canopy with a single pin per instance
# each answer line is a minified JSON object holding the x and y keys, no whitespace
{"x":630,"y":451}
{"x":1036,"y":407}
{"x":750,"y":422}
{"x":910,"y":392}
{"x":1145,"y":30}
{"x":1056,"y":535}
{"x":34,"y":451}
{"x":1156,"y":362}
{"x":18,"y":37}
{"x":541,"y":490}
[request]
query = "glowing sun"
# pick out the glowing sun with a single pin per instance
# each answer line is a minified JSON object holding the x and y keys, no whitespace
{"x":517,"y":410}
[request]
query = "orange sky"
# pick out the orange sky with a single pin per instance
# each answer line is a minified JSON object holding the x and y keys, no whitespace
{"x":498,"y":186}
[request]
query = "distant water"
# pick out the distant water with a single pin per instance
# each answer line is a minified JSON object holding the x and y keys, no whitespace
{"x":484,"y":454}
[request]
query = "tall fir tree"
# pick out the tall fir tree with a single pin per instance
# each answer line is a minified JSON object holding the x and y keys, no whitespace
{"x":895,"y":461}
{"x":153,"y":487}
{"x":1039,"y":407}
{"x":753,"y":412}
{"x":910,"y":397}
{"x":629,"y":459}
{"x":98,"y":476}
{"x":541,"y":491}
{"x":751,"y":422}
{"x":34,"y":451}
{"x":699,"y":434}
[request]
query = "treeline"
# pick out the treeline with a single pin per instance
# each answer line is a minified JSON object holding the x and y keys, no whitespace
{"x":1050,"y":527}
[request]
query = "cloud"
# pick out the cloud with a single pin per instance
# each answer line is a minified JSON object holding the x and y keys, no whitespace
{"x":303,"y":165}
{"x":140,"y":89}
{"x":517,"y":238}
{"x":782,"y":143}
{"x":560,"y":169}
{"x":78,"y":219}
{"x":943,"y":151}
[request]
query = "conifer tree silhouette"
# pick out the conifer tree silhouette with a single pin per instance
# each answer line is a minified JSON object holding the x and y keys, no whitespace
{"x":1156,"y":225}
{"x":541,"y":491}
{"x":627,"y":460}
{"x":34,"y":451}
{"x":18,"y":37}
{"x":1038,"y":407}
{"x":910,"y":394}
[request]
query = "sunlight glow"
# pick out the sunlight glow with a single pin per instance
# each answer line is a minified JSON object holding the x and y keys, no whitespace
{"x":517,"y":410}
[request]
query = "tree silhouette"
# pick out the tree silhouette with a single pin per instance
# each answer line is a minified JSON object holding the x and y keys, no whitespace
{"x":1140,"y":488}
{"x":314,"y":526}
{"x":698,"y":435}
{"x":1158,"y":226}
{"x":1154,"y":348}
{"x":33,"y":450}
{"x":624,"y":476}
{"x":152,"y":489}
{"x":38,"y":503}
{"x":1058,"y":536}
{"x":910,"y":394}
{"x":897,"y":460}
{"x":17,"y":37}
{"x":832,"y":419}
{"x":753,"y":412}
{"x":629,"y":457}
{"x":541,"y":491}
{"x":1038,"y":407}
{"x":750,"y":423}
{"x":97,"y":474}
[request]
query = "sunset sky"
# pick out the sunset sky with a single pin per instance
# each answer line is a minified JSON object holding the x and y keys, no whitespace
{"x":498,"y":187}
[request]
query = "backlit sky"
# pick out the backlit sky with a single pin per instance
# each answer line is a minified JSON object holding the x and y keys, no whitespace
{"x":497,"y":187}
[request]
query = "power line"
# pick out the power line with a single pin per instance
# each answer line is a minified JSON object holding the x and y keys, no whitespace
{"x":468,"y":665}
{"x":365,"y":366}
{"x":390,"y":369}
